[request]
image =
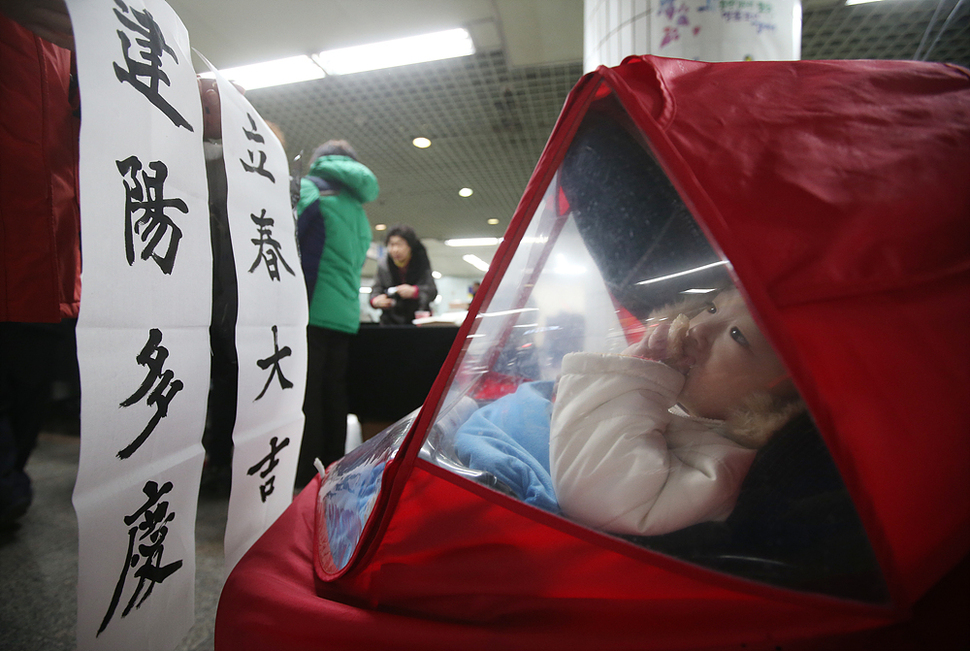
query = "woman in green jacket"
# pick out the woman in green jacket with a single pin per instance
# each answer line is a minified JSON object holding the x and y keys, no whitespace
{"x":334,"y":236}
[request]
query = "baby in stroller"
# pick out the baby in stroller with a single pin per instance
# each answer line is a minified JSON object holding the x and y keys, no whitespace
{"x":649,"y":441}
{"x":661,"y":436}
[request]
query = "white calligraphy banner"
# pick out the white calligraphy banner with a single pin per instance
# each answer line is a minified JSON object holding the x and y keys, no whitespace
{"x":270,"y":326}
{"x":726,"y":30}
{"x":142,"y":336}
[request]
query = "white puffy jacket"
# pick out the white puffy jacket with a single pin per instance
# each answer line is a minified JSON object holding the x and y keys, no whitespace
{"x":624,"y":459}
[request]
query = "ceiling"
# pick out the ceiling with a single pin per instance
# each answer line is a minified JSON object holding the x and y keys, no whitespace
{"x":487,"y":115}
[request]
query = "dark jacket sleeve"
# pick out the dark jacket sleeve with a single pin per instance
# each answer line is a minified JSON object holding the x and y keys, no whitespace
{"x":311,"y":232}
{"x":427,"y":290}
{"x":382,"y":280}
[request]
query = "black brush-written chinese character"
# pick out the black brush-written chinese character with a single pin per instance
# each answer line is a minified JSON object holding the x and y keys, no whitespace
{"x":270,"y":461}
{"x":274,"y":361}
{"x":258,"y":168}
{"x":144,"y":194}
{"x":149,"y":534}
{"x":147,"y":64}
{"x":252,"y":166}
{"x":254,"y":134}
{"x":269,"y":248}
{"x":153,"y":356}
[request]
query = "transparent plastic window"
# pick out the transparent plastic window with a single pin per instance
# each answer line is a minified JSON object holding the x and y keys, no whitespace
{"x":617,"y":376}
{"x":349,"y":491}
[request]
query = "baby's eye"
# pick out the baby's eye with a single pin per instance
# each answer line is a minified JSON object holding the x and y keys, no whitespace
{"x":739,"y":337}
{"x":711,"y":308}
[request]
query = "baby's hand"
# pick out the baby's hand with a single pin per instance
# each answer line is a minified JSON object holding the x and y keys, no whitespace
{"x":654,"y":342}
{"x":664,"y":342}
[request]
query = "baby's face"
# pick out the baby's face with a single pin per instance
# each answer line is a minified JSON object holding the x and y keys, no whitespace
{"x":730,"y":359}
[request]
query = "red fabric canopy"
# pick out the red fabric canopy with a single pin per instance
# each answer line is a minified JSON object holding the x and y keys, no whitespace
{"x":839,"y":192}
{"x":273,"y":600}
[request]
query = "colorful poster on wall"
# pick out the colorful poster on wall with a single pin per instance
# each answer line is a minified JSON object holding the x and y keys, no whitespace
{"x":726,"y":30}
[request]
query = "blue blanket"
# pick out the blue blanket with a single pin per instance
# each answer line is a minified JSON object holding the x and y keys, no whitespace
{"x":510,"y":439}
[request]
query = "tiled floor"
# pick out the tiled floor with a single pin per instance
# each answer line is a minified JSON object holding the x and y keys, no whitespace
{"x":38,"y":559}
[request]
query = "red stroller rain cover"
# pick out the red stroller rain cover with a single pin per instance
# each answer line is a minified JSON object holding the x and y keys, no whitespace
{"x":809,"y":220}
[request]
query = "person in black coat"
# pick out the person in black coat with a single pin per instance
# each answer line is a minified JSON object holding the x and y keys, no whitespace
{"x":404,"y":284}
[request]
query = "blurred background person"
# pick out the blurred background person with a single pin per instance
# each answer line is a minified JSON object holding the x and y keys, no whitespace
{"x":404,"y":284}
{"x":465,"y":304}
{"x":334,"y":236}
{"x":40,"y":256}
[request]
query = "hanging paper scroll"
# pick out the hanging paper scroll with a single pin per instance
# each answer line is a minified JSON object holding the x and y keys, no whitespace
{"x":726,"y":30}
{"x":270,"y":325}
{"x":142,"y":335}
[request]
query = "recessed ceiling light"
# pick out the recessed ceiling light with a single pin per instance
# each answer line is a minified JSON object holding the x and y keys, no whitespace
{"x":421,"y":143}
{"x":465,"y":192}
{"x":380,"y":227}
{"x":492,"y":222}
{"x":436,"y":275}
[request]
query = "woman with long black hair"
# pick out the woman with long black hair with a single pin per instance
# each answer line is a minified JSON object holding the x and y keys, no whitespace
{"x":404,"y":283}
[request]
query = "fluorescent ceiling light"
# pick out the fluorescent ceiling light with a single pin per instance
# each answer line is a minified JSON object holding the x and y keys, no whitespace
{"x":859,"y":2}
{"x":475,"y":261}
{"x":398,"y":52}
{"x":344,"y":61}
{"x":682,"y":273}
{"x":366,"y":290}
{"x":465,"y":192}
{"x":421,"y":143}
{"x":492,"y":222}
{"x":273,"y":73}
{"x":521,"y":310}
{"x":474,"y":241}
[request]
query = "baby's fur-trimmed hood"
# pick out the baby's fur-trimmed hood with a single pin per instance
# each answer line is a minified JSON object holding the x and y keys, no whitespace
{"x":756,"y":421}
